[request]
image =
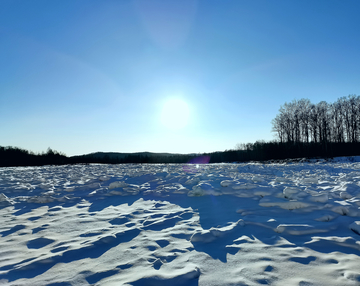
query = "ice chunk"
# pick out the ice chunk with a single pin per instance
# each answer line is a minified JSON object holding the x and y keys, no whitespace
{"x":346,"y":209}
{"x":321,"y":198}
{"x":213,"y":233}
{"x":41,"y":199}
{"x":310,"y":180}
{"x":298,"y":229}
{"x":293,"y":193}
{"x":245,"y":186}
{"x":326,"y":218}
{"x":4,"y":200}
{"x":202,"y":189}
{"x":353,"y":189}
{"x":282,"y":180}
{"x":115,"y":185}
{"x":192,"y":274}
{"x":226,"y":183}
{"x":103,"y":178}
{"x":345,"y":195}
{"x":282,"y":203}
{"x":257,"y":179}
{"x":355,"y":227}
{"x":263,"y":192}
{"x":69,"y":189}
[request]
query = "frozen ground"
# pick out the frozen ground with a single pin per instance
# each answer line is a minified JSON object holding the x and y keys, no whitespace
{"x":221,"y":224}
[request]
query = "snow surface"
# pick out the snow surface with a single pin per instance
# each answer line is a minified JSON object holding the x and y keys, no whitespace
{"x":214,"y":224}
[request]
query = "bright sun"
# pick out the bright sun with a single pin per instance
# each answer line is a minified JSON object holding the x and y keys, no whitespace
{"x":175,"y":114}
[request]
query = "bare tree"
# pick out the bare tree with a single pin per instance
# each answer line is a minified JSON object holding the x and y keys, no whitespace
{"x":313,"y":122}
{"x":304,"y":108}
{"x":337,"y":120}
{"x":353,"y":105}
{"x":278,"y":127}
{"x":302,"y":121}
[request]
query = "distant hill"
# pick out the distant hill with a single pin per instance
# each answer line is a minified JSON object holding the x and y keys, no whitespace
{"x":138,"y":157}
{"x":123,"y":155}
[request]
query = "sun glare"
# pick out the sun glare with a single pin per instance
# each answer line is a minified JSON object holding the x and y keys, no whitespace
{"x":175,"y":114}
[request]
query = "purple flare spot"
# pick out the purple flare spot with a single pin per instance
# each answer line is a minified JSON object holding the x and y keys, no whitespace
{"x":192,"y":165}
{"x":200,"y":160}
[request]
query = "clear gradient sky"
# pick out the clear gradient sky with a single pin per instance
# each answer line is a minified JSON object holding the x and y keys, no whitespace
{"x":90,"y":75}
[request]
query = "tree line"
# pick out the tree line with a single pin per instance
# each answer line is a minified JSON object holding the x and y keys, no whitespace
{"x":14,"y":156}
{"x":302,"y":129}
{"x":258,"y":151}
{"x":303,"y":121}
{"x":111,"y":158}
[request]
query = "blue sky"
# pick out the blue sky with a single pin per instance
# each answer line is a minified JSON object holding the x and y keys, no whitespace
{"x":87,"y":76}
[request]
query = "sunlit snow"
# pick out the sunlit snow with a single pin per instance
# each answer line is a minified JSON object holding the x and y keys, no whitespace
{"x":214,"y":224}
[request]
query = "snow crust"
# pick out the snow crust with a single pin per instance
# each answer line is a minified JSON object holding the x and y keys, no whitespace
{"x":213,"y":224}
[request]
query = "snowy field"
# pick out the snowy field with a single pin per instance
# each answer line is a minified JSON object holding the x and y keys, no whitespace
{"x":214,"y":224}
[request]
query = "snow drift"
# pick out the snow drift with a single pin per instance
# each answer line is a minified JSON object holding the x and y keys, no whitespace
{"x":214,"y":224}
